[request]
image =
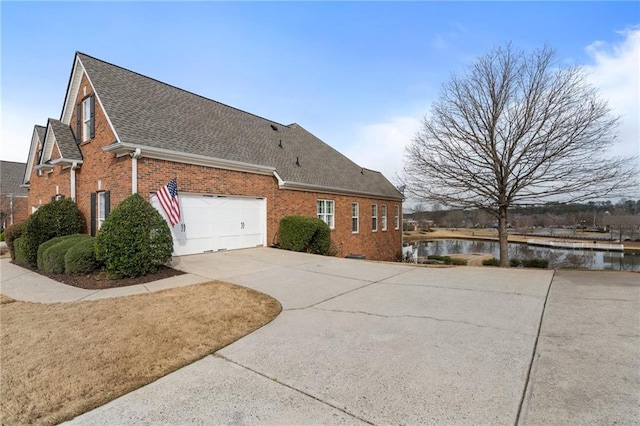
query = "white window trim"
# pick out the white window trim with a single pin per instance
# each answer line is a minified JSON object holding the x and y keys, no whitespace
{"x":100,"y":201}
{"x":327,"y":217}
{"x":86,"y":119}
{"x":374,"y":217}
{"x":396,"y":217}
{"x":355,"y":216}
{"x":384,"y":217}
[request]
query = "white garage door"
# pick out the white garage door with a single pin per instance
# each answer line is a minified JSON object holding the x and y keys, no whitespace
{"x":212,"y":223}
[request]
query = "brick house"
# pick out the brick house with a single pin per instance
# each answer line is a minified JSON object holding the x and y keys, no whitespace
{"x":13,"y":196}
{"x":238,"y":174}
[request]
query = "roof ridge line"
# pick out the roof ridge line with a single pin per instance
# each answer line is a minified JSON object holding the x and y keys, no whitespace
{"x":183,"y":90}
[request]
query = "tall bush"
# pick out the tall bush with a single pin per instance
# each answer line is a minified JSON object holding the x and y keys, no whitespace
{"x":19,"y":252}
{"x":306,"y":234}
{"x":44,"y":246}
{"x":61,"y":217}
{"x":134,"y":240}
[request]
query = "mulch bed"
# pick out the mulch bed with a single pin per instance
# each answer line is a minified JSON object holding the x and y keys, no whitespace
{"x":100,"y":280}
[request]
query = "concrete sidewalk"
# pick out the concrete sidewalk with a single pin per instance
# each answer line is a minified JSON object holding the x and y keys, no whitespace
{"x":22,"y":284}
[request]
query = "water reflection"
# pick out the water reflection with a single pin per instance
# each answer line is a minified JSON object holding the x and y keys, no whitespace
{"x":558,"y":258}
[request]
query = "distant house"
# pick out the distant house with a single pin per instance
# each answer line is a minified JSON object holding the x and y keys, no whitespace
{"x":13,"y":196}
{"x":238,"y":174}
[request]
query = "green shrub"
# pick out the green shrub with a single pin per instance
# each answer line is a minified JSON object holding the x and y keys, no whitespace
{"x":491,"y":262}
{"x":458,"y":261}
{"x":305,"y":234}
{"x":19,"y":253}
{"x":11,"y":234}
{"x":1,"y":236}
{"x":61,"y":217}
{"x":446,"y":260}
{"x":53,"y":257}
{"x":44,"y":246}
{"x":81,"y":258}
{"x":536,"y":263}
{"x":515,"y":262}
{"x":435,"y":257}
{"x":134,"y":240}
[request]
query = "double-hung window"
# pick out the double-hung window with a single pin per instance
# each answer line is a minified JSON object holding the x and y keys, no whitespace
{"x":384,"y":217}
{"x":102,"y":208}
{"x":326,"y":212}
{"x":396,"y":217}
{"x":374,"y":217}
{"x":355,"y":213}
{"x":85,"y":120}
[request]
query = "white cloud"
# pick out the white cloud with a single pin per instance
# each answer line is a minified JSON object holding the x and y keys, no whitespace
{"x":381,"y":146}
{"x":616,"y":72}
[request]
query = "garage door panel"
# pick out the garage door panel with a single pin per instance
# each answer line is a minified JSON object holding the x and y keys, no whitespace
{"x":217,"y":223}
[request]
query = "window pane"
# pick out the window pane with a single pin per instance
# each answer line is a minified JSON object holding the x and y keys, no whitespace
{"x":329,"y":206}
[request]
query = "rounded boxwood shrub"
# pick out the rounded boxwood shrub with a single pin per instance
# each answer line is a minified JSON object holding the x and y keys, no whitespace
{"x":11,"y":234}
{"x":53,"y":257}
{"x":44,"y":246}
{"x":134,"y":239}
{"x":81,"y":258}
{"x":19,"y":253}
{"x":61,"y":217}
{"x":305,"y":234}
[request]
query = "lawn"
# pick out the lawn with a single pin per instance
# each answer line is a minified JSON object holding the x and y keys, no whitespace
{"x":60,"y":360}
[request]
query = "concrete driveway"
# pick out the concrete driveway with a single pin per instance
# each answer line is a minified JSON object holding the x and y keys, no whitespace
{"x":362,"y":342}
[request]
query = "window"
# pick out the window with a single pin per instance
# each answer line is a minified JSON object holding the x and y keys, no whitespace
{"x":355,"y":211}
{"x":85,"y":120}
{"x":396,"y":217}
{"x":325,"y":212}
{"x":374,"y":217}
{"x":384,"y":217}
{"x":102,"y":208}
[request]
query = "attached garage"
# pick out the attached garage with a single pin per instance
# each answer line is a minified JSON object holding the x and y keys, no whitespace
{"x":213,"y":223}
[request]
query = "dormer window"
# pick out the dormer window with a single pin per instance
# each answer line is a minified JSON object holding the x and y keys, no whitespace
{"x":85,"y":124}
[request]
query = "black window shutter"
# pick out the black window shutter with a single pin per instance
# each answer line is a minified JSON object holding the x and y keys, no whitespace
{"x":79,"y":123}
{"x":92,"y":123}
{"x":107,"y":203}
{"x":93,"y":214}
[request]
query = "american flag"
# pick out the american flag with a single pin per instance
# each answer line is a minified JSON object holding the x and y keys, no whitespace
{"x":168,"y":197}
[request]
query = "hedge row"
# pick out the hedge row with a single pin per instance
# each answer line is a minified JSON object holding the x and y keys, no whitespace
{"x":53,"y":257}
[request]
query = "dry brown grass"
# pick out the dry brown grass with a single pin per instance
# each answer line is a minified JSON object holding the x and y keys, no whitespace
{"x":60,"y":360}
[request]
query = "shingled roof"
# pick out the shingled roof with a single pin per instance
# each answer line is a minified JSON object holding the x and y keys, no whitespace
{"x":148,"y":113}
{"x":11,"y":175}
{"x":64,"y":138}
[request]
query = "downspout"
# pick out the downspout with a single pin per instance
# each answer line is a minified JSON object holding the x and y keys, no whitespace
{"x":74,"y":166}
{"x":134,"y":170}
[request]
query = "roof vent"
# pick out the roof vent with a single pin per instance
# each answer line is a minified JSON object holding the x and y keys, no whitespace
{"x":274,"y":127}
{"x":280,"y":143}
{"x":297,"y":162}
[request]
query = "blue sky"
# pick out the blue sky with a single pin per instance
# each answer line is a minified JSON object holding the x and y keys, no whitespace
{"x":358,"y":75}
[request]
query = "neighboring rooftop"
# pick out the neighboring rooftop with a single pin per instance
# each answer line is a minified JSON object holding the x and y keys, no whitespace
{"x":147,"y":112}
{"x":11,"y":175}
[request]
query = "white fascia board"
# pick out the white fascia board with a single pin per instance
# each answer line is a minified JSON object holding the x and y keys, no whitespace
{"x":195,"y":159}
{"x":297,"y":186}
{"x":31,"y":159}
{"x":72,"y":94}
{"x":47,"y":146}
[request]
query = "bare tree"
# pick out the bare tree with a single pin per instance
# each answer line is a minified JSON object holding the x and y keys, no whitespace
{"x":517,"y":129}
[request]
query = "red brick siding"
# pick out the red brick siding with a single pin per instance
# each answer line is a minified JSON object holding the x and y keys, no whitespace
{"x":380,"y":245}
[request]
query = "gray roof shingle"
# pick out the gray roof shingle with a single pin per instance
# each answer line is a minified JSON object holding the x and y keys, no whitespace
{"x":11,"y":175}
{"x":147,"y":112}
{"x":66,"y":141}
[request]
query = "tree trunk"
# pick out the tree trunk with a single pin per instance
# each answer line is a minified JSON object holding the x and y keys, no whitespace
{"x":503,"y":235}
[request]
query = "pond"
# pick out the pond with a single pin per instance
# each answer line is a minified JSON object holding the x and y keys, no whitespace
{"x":558,"y":258}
